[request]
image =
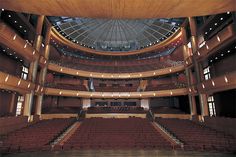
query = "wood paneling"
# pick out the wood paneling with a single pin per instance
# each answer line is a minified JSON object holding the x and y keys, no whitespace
{"x":124,"y":9}
{"x":51,"y":116}
{"x":224,"y":37}
{"x":10,"y":65}
{"x":13,"y":83}
{"x":126,"y":95}
{"x":69,"y":71}
{"x":221,"y":83}
{"x":10,"y":39}
{"x":179,"y":116}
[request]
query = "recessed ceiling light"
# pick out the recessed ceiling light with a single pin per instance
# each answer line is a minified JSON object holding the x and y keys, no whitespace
{"x":2,"y":9}
{"x":228,"y":51}
{"x":15,"y":21}
{"x":205,"y":32}
{"x":228,"y":12}
{"x":9,"y":15}
{"x":210,"y":29}
{"x":222,"y":54}
{"x":20,"y":26}
{"x":25,"y":31}
{"x":221,"y":18}
{"x":215,"y":24}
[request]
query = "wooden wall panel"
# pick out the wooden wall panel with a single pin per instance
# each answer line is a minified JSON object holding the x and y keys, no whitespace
{"x":124,"y":9}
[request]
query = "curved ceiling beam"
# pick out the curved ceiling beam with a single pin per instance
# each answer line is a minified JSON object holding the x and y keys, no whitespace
{"x":174,"y":37}
{"x":121,"y":9}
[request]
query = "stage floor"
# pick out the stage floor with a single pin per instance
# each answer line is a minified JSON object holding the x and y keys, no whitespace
{"x":119,"y":153}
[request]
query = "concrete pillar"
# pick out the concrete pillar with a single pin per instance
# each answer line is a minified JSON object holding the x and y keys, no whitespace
{"x":204,"y":105}
{"x":43,"y":72}
{"x":12,"y":103}
{"x":192,"y":102}
{"x":33,"y":67}
{"x":145,"y":104}
{"x":28,"y":104}
{"x":86,"y":103}
{"x":197,"y":66}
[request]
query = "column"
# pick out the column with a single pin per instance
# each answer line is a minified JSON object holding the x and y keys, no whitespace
{"x":234,"y":20}
{"x":43,"y":72}
{"x":188,"y":72}
{"x":197,"y":66}
{"x":12,"y":104}
{"x":86,"y":103}
{"x":145,"y":104}
{"x":33,"y":67}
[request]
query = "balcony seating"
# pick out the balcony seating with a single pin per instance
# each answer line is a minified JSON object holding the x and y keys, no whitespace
{"x":61,"y":110}
{"x":125,"y":133}
{"x":198,"y":137}
{"x":116,"y":109}
{"x":35,"y":137}
{"x":116,"y":89}
{"x":12,"y":123}
{"x":118,"y":67}
{"x":165,"y":86}
{"x":67,"y":86}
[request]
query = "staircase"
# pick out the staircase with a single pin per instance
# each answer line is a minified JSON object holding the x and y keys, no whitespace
{"x":65,"y":135}
{"x":169,"y":136}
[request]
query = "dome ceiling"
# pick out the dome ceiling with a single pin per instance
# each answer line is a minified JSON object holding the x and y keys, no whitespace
{"x":115,"y":35}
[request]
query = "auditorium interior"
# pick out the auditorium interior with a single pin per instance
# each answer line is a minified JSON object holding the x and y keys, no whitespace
{"x":117,"y":78}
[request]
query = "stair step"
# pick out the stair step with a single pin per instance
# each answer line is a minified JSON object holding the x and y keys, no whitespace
{"x":66,"y":134}
{"x":173,"y":139}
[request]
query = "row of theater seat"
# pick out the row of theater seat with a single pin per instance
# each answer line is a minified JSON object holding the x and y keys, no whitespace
{"x":127,"y":133}
{"x":115,"y":69}
{"x":165,"y":86}
{"x":122,"y":62}
{"x":116,"y":89}
{"x":117,"y":109}
{"x":35,"y":137}
{"x":67,"y":86}
{"x":166,"y":110}
{"x":198,"y":137}
{"x":61,"y":110}
{"x":223,"y":124}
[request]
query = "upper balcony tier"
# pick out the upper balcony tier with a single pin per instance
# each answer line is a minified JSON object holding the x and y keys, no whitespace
{"x":167,"y":62}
